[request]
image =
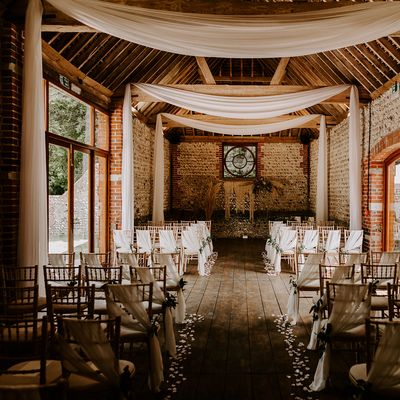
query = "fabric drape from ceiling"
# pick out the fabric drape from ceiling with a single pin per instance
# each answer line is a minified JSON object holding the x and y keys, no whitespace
{"x":32,"y":243}
{"x":127,"y":177}
{"x":158,"y":181}
{"x":321,"y":212}
{"x":243,"y":107}
{"x":355,"y":198}
{"x":248,"y":129}
{"x":238,"y":36}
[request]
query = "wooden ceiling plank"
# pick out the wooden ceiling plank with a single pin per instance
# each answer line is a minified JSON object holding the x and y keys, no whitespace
{"x":204,"y":71}
{"x":87,"y":39}
{"x":280,"y":71}
{"x":383,"y":56}
{"x":336,"y":55}
{"x":55,"y":61}
{"x":68,"y":43}
{"x":244,"y":79}
{"x":390,"y":48}
{"x":358,"y":64}
{"x":239,"y":139}
{"x":367,"y":53}
{"x":85,"y":57}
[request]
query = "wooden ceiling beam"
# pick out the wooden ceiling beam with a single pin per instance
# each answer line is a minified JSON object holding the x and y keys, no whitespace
{"x":239,"y":139}
{"x":280,"y":71}
{"x":204,"y":71}
{"x":58,"y":63}
{"x":385,"y":87}
{"x":330,"y":121}
{"x":247,"y":90}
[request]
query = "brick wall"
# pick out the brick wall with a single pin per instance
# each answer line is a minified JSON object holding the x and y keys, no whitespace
{"x":11,"y":56}
{"x":385,"y":139}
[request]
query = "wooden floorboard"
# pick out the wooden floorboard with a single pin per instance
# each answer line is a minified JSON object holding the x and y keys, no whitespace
{"x":239,"y":351}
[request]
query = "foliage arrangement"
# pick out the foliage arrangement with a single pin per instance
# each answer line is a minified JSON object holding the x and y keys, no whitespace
{"x":264,"y":184}
{"x":210,"y":198}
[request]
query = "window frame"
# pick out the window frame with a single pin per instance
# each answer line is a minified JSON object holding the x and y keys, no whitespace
{"x":223,"y":164}
{"x":71,"y":146}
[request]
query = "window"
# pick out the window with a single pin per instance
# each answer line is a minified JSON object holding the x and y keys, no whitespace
{"x":392,"y":225}
{"x":77,"y":138}
{"x":240,"y":161}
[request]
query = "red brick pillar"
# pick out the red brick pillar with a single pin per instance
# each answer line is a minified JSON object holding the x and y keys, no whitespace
{"x":11,"y":59}
{"x":115,"y":191}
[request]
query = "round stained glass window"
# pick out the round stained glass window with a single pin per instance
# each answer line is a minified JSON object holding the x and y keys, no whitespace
{"x":239,"y":161}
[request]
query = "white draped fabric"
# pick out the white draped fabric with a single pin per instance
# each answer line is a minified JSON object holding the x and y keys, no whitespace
{"x":128,"y":296}
{"x":146,"y":276}
{"x":174,"y":278}
{"x":92,"y":260}
{"x":167,"y":241}
{"x":332,"y":242}
{"x":271,"y":243}
{"x":94,"y":343}
{"x":385,"y":368}
{"x":127,"y":260}
{"x":238,"y":36}
{"x":127,"y":178}
{"x":32,"y":241}
{"x":56,"y":260}
{"x":143,"y":241}
{"x":350,"y":309}
{"x":321,"y":212}
{"x":158,"y":181}
{"x":241,"y":129}
{"x":191,"y":246}
{"x":122,"y":240}
{"x":309,"y":276}
{"x":310,"y":241}
{"x":287,"y":241}
{"x":355,"y":212}
{"x":354,"y":242}
{"x":241,"y":107}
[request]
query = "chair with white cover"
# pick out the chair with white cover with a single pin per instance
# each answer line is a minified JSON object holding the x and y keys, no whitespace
{"x":160,"y":298}
{"x":286,"y":249}
{"x":125,"y":301}
{"x":95,"y":259}
{"x":379,"y":377}
{"x":168,"y":244}
{"x":61,"y":259}
{"x":270,"y":244}
{"x":144,"y":245}
{"x":346,"y":322}
{"x":122,"y":242}
{"x":192,"y":250}
{"x":89,"y":352}
{"x":308,"y":243}
{"x":307,"y":280}
{"x":384,"y":257}
{"x":25,"y":370}
{"x":126,"y":261}
{"x":331,"y":241}
{"x":174,"y":282}
{"x":353,"y":241}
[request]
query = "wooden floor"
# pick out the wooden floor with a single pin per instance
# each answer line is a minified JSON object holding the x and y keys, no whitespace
{"x":240,"y":350}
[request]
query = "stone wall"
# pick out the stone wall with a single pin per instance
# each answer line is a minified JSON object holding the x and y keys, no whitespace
{"x":196,"y":164}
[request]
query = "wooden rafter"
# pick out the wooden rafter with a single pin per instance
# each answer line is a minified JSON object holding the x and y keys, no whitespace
{"x":204,"y":71}
{"x":330,"y":121}
{"x":64,"y":67}
{"x":280,"y":71}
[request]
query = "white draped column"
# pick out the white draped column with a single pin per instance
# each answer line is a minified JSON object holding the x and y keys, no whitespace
{"x":355,"y":211}
{"x":127,"y":184}
{"x":322,"y":175}
{"x":32,"y":243}
{"x":158,"y":181}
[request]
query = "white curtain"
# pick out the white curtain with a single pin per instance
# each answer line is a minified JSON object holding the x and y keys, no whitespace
{"x":354,"y":162}
{"x":32,"y":244}
{"x":240,"y":129}
{"x":241,"y":107}
{"x":322,"y":175}
{"x":127,"y":182}
{"x":238,"y":36}
{"x":158,"y":182}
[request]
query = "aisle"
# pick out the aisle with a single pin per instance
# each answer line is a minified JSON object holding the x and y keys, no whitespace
{"x":239,"y":351}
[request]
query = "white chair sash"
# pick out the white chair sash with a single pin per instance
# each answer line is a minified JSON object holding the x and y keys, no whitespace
{"x":354,"y":242}
{"x":287,"y":241}
{"x":332,"y":241}
{"x":122,"y":240}
{"x":143,"y":241}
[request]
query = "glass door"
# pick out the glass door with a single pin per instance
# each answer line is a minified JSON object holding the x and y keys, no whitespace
{"x":392,"y":226}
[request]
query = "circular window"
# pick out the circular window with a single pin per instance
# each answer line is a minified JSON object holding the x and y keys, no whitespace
{"x":239,"y":161}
